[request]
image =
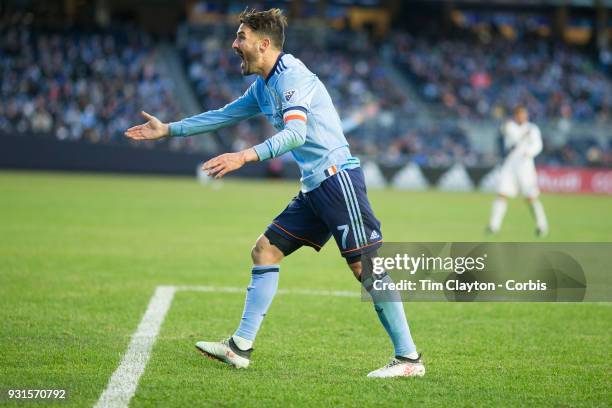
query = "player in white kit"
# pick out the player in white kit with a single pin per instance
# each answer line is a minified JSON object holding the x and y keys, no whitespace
{"x":522,"y":142}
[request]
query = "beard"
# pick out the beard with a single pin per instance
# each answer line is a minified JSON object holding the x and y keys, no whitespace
{"x":246,"y":66}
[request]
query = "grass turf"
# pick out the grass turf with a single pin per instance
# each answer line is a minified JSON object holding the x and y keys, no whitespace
{"x":80,"y":256}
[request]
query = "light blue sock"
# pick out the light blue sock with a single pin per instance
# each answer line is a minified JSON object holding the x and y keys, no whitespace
{"x":390,"y":310}
{"x":261,"y":291}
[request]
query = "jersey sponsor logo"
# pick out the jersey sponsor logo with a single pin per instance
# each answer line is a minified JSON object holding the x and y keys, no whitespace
{"x":374,"y":235}
{"x":289,"y":94}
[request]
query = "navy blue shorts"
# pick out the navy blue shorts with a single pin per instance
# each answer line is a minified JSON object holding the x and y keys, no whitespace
{"x":339,"y":207}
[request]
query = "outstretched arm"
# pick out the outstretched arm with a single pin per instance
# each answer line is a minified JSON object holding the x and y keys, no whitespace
{"x":294,"y":135}
{"x":295,"y":106}
{"x":153,"y":129}
{"x":240,"y":109}
{"x":219,"y":166}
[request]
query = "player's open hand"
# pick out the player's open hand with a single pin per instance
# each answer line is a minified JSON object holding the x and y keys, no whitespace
{"x":219,"y":166}
{"x":153,"y":129}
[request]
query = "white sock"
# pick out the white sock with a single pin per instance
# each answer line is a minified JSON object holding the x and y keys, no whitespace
{"x":497,"y":214}
{"x":242,"y":343}
{"x":540,"y":215}
{"x":413,"y":356}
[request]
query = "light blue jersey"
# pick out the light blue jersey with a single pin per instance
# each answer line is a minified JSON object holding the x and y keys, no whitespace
{"x":297,"y":104}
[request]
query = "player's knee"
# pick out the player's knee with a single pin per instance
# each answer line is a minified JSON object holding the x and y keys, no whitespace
{"x":264,"y":253}
{"x":356,"y":269}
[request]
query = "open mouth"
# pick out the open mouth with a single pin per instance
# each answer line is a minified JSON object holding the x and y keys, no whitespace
{"x":241,"y":55}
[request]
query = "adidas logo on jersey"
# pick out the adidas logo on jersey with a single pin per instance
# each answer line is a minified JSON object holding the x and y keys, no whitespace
{"x":374,"y":235}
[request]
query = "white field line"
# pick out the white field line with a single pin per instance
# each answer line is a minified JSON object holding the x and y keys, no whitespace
{"x":122,"y":384}
{"x":124,"y":381}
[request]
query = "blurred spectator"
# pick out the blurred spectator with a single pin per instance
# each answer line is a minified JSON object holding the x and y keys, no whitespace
{"x":78,"y":85}
{"x":91,"y":86}
{"x":373,"y":109}
{"x":474,"y":78}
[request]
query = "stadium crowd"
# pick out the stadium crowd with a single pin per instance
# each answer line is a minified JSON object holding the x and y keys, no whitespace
{"x":481,"y":75}
{"x":476,"y":79}
{"x":378,"y":119}
{"x":78,"y":85}
{"x":91,"y":86}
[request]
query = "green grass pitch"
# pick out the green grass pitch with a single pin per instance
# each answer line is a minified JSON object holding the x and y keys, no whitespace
{"x":81,"y":255}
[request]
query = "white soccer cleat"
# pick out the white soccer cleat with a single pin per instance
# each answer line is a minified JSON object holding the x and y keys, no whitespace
{"x":226,"y":351}
{"x":400,"y":367}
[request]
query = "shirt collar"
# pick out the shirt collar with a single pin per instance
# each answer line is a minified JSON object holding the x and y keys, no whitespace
{"x":273,"y":70}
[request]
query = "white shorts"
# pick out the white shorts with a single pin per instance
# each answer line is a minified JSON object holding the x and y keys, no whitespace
{"x":518,"y":177}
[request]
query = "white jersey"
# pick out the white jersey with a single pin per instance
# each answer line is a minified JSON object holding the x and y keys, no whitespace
{"x":522,"y":144}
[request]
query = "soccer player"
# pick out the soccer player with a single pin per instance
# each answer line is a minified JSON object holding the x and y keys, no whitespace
{"x":522,"y":142}
{"x":332,"y":200}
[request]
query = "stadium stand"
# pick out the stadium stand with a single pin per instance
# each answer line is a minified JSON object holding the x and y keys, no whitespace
{"x":78,"y":85}
{"x":90,"y":86}
{"x":356,"y":78}
{"x":480,"y":77}
{"x":476,"y":79}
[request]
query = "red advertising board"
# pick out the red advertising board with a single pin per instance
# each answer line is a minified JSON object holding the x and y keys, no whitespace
{"x":575,"y":180}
